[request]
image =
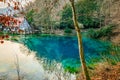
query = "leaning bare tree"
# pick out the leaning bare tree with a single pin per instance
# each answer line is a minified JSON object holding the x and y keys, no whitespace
{"x":81,"y":52}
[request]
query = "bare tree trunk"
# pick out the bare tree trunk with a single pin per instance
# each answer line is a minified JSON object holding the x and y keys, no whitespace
{"x":81,"y":53}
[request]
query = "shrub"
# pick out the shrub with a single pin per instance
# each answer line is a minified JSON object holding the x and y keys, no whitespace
{"x":102,"y":32}
{"x":68,"y":30}
{"x":92,"y":33}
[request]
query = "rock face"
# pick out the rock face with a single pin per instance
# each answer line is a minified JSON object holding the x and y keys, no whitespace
{"x":115,"y":19}
{"x":25,"y":26}
{"x":8,"y":11}
{"x":116,"y":35}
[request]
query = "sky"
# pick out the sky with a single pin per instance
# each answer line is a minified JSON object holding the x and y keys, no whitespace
{"x":23,"y":2}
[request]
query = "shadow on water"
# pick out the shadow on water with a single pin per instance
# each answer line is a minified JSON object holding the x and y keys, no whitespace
{"x":65,"y":49}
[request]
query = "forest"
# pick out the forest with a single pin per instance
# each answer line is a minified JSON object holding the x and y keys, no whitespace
{"x":59,"y":40}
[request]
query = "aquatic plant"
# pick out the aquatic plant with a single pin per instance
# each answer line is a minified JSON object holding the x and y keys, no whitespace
{"x":112,"y":56}
{"x":55,"y":71}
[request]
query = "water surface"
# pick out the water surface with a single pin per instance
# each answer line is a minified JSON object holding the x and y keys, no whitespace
{"x":64,"y":48}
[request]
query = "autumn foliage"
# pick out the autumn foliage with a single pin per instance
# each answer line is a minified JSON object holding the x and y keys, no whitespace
{"x":3,"y":37}
{"x":2,"y":1}
{"x":8,"y":20}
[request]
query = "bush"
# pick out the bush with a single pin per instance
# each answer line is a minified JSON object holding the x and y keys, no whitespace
{"x":92,"y":33}
{"x":68,"y":30}
{"x":106,"y":31}
{"x":102,"y":32}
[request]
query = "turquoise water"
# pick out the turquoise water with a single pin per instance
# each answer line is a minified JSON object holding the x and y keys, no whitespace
{"x":65,"y":49}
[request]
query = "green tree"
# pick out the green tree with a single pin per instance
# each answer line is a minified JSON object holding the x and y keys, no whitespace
{"x":66,"y":18}
{"x":86,"y":11}
{"x":29,"y":16}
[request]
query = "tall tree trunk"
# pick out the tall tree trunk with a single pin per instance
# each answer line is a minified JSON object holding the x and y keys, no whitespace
{"x":81,"y":53}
